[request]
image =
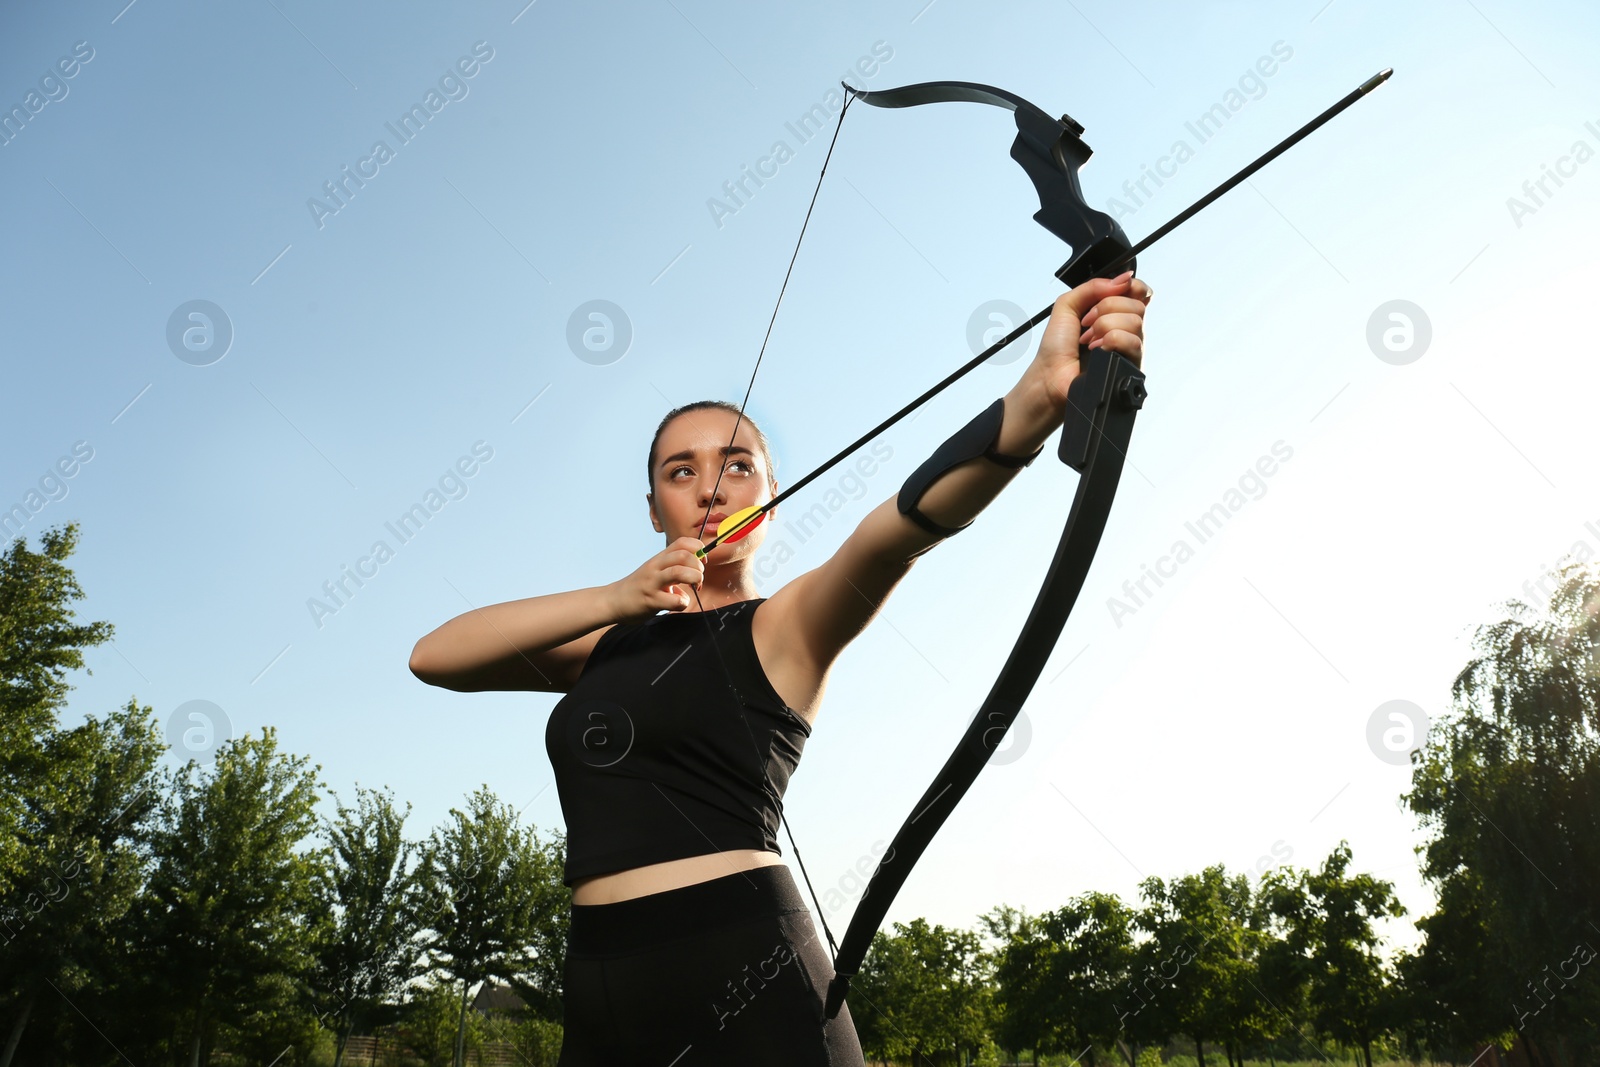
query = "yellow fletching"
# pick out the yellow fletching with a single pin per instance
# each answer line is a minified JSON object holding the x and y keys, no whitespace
{"x":734,"y":527}
{"x":739,"y":524}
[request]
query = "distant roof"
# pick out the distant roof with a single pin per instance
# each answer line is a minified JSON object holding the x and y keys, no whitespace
{"x":492,"y":996}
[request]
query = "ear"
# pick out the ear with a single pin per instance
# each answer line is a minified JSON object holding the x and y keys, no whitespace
{"x":655,"y":520}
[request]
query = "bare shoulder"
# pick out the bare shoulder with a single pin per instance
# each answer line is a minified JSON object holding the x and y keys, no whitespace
{"x":827,"y":607}
{"x":804,"y":626}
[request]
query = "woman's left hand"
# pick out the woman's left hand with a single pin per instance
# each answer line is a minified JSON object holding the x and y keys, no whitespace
{"x":1100,"y":313}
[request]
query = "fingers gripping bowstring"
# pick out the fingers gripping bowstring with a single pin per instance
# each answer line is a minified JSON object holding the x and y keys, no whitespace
{"x":761,"y":760}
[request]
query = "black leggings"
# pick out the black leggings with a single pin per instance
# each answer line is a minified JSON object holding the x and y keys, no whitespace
{"x":729,"y":971}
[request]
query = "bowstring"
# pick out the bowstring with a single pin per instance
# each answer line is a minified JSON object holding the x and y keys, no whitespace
{"x":761,"y":763}
{"x":784,"y":288}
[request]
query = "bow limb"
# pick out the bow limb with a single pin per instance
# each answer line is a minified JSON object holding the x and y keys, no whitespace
{"x":1103,"y":402}
{"x":1051,"y":152}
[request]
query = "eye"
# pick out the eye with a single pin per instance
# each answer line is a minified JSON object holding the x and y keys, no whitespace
{"x":744,"y":466}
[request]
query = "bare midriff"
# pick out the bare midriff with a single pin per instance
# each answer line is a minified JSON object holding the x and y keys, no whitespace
{"x":673,"y":874}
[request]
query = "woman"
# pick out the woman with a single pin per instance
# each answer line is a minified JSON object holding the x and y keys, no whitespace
{"x":690,"y":942}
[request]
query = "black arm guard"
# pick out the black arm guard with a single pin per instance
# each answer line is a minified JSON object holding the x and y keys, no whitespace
{"x":974,"y":440}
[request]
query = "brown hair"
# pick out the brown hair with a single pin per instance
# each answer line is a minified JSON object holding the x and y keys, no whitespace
{"x":720,"y":405}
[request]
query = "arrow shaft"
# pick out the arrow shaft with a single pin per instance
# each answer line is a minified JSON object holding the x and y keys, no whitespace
{"x":1112,"y":270}
{"x":1266,"y":157}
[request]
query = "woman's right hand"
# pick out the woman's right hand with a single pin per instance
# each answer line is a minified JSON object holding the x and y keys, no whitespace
{"x":661,"y":583}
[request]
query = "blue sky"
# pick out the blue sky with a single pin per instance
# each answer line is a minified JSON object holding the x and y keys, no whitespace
{"x":1224,"y":715}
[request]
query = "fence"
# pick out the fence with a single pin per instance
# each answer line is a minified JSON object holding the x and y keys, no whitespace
{"x":387,"y":1052}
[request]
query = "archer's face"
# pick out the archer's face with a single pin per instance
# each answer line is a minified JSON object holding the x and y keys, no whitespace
{"x":692,"y":450}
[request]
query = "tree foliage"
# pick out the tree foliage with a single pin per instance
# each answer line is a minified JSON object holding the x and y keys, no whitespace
{"x":491,"y":887}
{"x":1508,"y":788}
{"x":39,"y":643}
{"x":176,"y":916}
{"x":222,"y":925}
{"x":370,"y":899}
{"x":922,"y":991}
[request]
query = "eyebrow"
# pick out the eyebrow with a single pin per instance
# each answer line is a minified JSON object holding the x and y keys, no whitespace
{"x":725,"y":450}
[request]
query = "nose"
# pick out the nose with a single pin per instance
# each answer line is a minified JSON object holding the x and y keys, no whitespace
{"x":711,"y":483}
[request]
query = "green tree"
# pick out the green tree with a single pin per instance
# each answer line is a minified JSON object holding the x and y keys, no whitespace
{"x":1330,"y":929}
{"x":222,"y":928}
{"x":82,"y":833}
{"x":1508,"y":788}
{"x":431,"y":1023}
{"x":1352,"y":983}
{"x":1251,"y":1019}
{"x":536,"y":1042}
{"x":1283,"y":968}
{"x":1021,"y":992}
{"x":369,"y":900}
{"x":495,"y":905}
{"x":39,"y":644}
{"x":1196,"y":955}
{"x":1146,"y":1012}
{"x":928,"y":992}
{"x":1090,"y":969}
{"x":1451,"y":987}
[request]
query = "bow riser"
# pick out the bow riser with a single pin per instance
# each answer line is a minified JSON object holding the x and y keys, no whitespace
{"x":1051,"y":153}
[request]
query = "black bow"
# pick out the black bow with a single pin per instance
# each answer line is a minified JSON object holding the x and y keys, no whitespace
{"x":1102,"y":404}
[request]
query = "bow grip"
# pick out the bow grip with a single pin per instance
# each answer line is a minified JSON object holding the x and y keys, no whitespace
{"x":1106,"y":378}
{"x":1096,"y":259}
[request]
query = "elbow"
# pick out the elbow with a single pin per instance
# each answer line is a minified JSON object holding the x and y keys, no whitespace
{"x":424,"y":671}
{"x":418,"y":665}
{"x":427,"y":669}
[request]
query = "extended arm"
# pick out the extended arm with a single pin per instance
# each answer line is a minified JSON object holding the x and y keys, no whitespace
{"x":823,"y":610}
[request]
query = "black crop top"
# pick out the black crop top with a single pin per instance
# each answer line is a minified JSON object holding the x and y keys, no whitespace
{"x":651,"y":760}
